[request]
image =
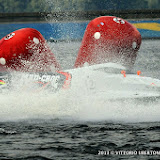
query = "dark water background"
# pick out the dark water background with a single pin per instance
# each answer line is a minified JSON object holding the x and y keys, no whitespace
{"x":59,"y":137}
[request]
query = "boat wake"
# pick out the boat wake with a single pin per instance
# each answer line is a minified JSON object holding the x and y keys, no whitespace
{"x":20,"y":104}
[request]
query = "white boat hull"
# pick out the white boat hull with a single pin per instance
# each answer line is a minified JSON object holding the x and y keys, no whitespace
{"x":95,"y":81}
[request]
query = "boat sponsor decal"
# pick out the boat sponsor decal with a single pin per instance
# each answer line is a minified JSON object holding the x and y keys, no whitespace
{"x":67,"y":81}
{"x":2,"y":82}
{"x":36,"y":82}
{"x":51,"y":81}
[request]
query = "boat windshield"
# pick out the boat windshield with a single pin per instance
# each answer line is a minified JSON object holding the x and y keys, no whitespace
{"x":110,"y":68}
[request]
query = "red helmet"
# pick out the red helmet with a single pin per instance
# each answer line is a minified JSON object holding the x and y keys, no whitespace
{"x":26,"y":49}
{"x":109,"y":39}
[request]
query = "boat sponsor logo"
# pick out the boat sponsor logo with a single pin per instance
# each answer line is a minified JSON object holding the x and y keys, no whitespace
{"x":54,"y":80}
{"x":67,"y":81}
{"x":2,"y":82}
{"x":36,"y":82}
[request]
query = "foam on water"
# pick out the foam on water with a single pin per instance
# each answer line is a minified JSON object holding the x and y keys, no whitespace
{"x":20,"y":104}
